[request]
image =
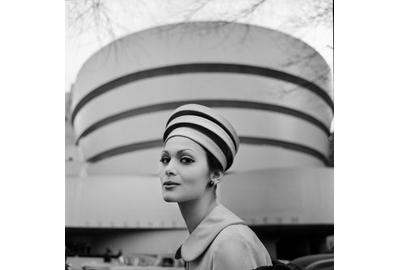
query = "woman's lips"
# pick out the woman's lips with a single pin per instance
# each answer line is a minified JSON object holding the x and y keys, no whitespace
{"x":170,"y":184}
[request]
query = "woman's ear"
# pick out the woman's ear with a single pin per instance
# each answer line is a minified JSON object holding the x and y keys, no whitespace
{"x":216,"y":176}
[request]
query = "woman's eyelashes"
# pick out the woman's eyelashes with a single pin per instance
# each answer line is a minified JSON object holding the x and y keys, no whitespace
{"x":186,"y":160}
{"x":165,"y":159}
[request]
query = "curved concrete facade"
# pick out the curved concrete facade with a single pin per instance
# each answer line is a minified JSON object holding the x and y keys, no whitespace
{"x":275,"y":89}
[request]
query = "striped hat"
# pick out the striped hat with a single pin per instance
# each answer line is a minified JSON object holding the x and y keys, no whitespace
{"x":206,"y":127}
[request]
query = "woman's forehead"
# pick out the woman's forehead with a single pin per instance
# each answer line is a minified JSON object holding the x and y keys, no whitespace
{"x":179,"y":143}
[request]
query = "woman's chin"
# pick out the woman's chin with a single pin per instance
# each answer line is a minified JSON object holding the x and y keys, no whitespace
{"x":169,"y":198}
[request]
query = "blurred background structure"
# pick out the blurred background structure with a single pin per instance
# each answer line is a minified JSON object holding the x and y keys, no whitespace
{"x":274,"y":88}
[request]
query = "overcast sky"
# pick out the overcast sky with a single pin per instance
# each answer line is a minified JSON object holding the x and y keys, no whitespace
{"x":296,"y":17}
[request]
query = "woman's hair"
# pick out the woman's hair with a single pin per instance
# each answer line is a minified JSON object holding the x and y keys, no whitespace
{"x":213,"y":163}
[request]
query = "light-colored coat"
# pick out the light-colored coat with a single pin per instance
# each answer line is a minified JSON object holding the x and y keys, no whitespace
{"x":223,"y":241}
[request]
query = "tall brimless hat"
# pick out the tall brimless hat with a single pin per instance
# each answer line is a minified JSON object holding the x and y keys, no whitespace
{"x":206,"y":127}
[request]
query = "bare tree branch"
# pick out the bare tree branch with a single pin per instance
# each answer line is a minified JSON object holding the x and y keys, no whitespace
{"x":85,"y":16}
{"x":94,"y":16}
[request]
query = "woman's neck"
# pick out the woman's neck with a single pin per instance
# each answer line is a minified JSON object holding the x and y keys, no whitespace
{"x":195,"y":211}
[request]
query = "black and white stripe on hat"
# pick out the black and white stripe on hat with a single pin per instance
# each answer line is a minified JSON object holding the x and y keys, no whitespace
{"x":206,"y":127}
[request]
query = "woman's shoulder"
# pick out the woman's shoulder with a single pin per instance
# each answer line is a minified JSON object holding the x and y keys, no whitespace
{"x":237,"y":236}
{"x":237,"y":245}
{"x":236,"y":231}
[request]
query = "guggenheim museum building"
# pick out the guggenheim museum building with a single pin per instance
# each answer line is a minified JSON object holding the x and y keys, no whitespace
{"x":275,"y":89}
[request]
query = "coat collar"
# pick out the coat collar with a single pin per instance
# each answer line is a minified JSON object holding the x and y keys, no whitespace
{"x":198,"y":241}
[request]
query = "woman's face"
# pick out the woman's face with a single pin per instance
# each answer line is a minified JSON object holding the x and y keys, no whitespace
{"x":184,"y":172}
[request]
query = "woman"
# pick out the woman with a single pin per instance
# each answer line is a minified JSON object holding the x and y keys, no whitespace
{"x":199,"y":146}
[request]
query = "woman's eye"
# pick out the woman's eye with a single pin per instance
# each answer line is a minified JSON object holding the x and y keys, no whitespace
{"x":186,"y":160}
{"x":164,"y":160}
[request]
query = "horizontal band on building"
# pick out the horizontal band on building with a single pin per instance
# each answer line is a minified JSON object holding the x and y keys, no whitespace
{"x":215,"y":103}
{"x":203,"y":68}
{"x":243,"y":140}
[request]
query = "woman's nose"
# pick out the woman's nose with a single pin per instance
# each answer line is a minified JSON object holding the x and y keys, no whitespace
{"x":170,"y":169}
{"x":169,"y":173}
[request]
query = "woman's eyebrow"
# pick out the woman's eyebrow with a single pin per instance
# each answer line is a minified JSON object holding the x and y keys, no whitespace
{"x":179,"y":152}
{"x":183,"y":151}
